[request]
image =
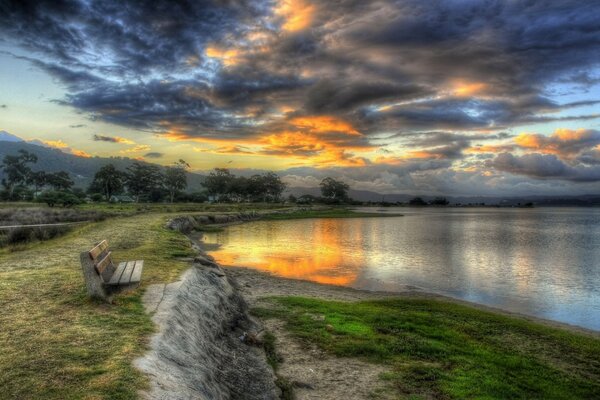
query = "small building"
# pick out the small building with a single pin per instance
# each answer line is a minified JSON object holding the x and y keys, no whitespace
{"x":121,"y":199}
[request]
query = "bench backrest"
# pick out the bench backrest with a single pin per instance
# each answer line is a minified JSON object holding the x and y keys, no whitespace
{"x":101,"y":257}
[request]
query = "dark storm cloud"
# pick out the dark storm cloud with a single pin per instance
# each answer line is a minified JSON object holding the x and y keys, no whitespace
{"x":154,"y":154}
{"x":329,"y":95}
{"x":384,"y":67}
{"x":544,"y":166}
{"x":516,"y":44}
{"x":137,"y":36}
{"x":156,"y":104}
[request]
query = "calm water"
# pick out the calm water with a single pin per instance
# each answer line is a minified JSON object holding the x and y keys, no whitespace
{"x":543,"y":262}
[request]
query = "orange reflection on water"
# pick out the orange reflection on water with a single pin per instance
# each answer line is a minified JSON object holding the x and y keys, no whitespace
{"x":321,"y":258}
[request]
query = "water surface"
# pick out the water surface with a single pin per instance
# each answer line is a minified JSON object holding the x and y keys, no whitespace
{"x":543,"y":262}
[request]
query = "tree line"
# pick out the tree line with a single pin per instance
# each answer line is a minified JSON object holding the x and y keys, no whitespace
{"x":141,"y":182}
{"x":144,"y":182}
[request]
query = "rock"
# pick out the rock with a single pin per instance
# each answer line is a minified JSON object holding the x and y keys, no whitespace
{"x":182,"y":224}
{"x":204,"y":261}
{"x":197,"y":353}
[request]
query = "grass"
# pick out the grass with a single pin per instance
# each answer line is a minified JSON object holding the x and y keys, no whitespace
{"x":57,"y":344}
{"x":332,"y":212}
{"x":437,"y":349}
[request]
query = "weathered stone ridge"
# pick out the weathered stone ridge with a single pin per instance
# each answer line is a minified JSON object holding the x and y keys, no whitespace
{"x":198,"y":352}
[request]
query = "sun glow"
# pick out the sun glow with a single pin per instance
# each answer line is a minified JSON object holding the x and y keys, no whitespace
{"x":297,"y":14}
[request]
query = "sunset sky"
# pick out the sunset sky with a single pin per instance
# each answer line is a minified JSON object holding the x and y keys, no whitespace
{"x":408,"y":96}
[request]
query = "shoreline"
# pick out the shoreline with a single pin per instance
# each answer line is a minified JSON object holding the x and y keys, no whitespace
{"x":195,"y":236}
{"x":408,"y":291}
{"x":273,"y":286}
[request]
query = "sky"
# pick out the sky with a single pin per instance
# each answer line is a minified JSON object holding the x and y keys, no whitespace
{"x":455,"y":97}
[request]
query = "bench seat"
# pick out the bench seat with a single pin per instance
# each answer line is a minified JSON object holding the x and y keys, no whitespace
{"x":103,"y":278}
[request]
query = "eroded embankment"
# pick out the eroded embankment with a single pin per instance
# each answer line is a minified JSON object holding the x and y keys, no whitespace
{"x":199,"y":351}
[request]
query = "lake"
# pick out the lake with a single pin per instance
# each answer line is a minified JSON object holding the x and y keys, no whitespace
{"x":543,"y":262}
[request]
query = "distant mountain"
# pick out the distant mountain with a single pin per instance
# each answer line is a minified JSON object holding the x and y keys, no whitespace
{"x":9,"y":137}
{"x":81,"y":169}
{"x":544,"y":201}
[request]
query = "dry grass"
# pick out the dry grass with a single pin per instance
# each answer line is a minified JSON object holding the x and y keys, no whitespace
{"x":55,"y":343}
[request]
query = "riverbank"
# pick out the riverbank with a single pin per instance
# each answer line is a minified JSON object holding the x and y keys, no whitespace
{"x":338,"y":342}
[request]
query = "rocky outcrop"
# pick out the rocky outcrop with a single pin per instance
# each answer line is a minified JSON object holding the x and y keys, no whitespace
{"x":200,"y":352}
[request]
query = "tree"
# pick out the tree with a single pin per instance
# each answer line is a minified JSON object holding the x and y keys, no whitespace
{"x":218,"y":182}
{"x":16,"y":170}
{"x":108,"y":181}
{"x":273,"y":186}
{"x":334,"y":190}
{"x":59,"y":181}
{"x":440,"y":201}
{"x":38,"y":179}
{"x":417,"y":201}
{"x":175,"y":178}
{"x":143,"y":179}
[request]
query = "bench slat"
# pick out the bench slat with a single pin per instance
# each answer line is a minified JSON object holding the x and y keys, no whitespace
{"x":114,"y":280}
{"x":136,"y":276}
{"x":127,"y":273}
{"x":105,"y":262}
{"x":96,"y":251}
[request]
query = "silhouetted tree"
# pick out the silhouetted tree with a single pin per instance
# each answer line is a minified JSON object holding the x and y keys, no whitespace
{"x":334,"y":190}
{"x":143,"y":180}
{"x":218,"y":183}
{"x":59,"y":181}
{"x":16,"y":170}
{"x":108,"y":181}
{"x":38,"y":179}
{"x":176,"y":178}
{"x":440,"y":201}
{"x":417,"y":201}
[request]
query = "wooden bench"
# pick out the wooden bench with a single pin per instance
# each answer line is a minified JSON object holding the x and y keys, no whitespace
{"x":103,"y":278}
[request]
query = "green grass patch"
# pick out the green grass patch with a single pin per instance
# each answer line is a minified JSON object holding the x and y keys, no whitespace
{"x":325,"y":213}
{"x":55,"y":343}
{"x":437,"y":349}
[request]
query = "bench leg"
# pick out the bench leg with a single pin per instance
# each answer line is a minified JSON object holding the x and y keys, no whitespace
{"x":93,"y":282}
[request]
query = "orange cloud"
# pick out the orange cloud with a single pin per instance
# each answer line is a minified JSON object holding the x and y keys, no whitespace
{"x":226,"y":56}
{"x":563,"y":142}
{"x":58,"y":144}
{"x":324,"y":124}
{"x":80,"y":153}
{"x":232,"y":149}
{"x":297,"y":14}
{"x":462,"y":88}
{"x":315,"y":140}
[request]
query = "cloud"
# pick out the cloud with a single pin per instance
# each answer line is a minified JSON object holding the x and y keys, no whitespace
{"x":154,"y":154}
{"x":77,"y":126}
{"x":544,"y":166}
{"x":136,"y":149}
{"x":62,"y":146}
{"x":563,"y":142}
{"x":112,"y":139}
{"x":329,"y":84}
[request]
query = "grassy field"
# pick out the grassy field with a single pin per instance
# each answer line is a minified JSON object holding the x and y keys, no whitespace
{"x":439,"y":349}
{"x":54,"y":342}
